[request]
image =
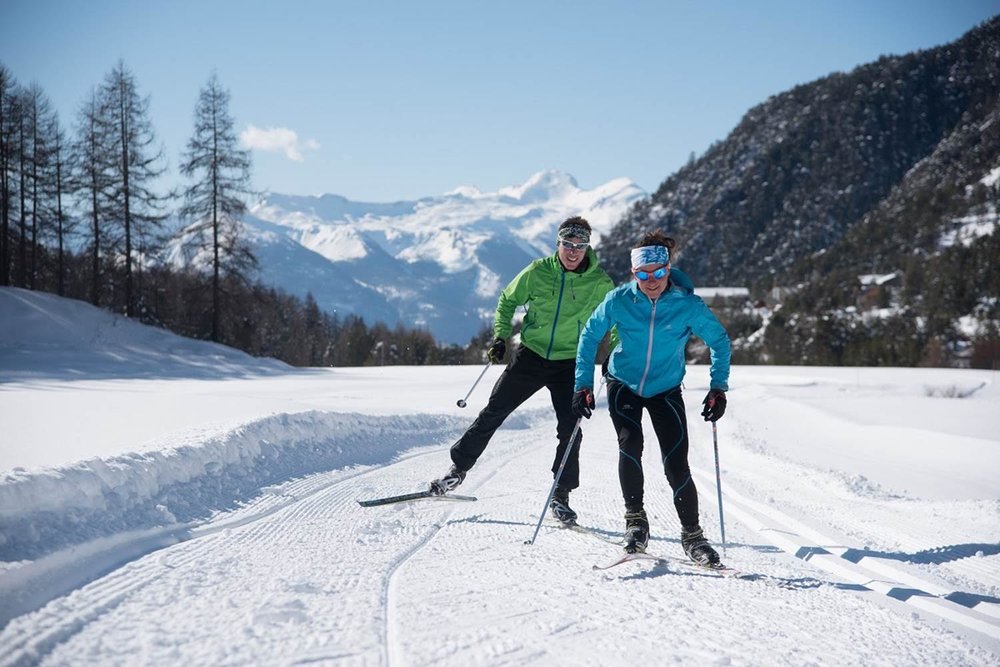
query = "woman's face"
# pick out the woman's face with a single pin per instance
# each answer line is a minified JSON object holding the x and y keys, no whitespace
{"x":651,"y":285}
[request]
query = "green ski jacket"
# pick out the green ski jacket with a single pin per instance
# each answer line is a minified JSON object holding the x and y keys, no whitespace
{"x":558,"y":304}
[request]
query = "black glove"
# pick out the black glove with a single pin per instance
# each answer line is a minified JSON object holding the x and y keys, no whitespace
{"x":715,"y":405}
{"x":496,"y":351}
{"x":583,"y":403}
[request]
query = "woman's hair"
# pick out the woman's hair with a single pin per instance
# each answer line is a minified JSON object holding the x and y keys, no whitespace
{"x":657,"y":237}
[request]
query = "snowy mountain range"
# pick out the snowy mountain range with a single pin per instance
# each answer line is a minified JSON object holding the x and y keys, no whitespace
{"x":436,"y":263}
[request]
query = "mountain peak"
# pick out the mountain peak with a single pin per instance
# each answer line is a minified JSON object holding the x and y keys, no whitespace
{"x":546,"y":184}
{"x":436,"y":262}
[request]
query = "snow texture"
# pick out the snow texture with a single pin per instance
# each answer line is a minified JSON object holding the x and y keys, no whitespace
{"x":209,"y":515}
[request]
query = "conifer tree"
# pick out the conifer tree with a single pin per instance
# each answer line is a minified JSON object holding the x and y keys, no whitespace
{"x":8,"y":87}
{"x":40,"y":124}
{"x":133,"y":204}
{"x":214,"y":201}
{"x":92,"y":174}
{"x":59,"y":185}
{"x":22,"y":146}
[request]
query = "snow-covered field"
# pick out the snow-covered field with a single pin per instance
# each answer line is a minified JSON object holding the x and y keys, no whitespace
{"x":164,"y":501}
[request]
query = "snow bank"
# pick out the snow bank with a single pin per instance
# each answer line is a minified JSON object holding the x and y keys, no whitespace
{"x":41,"y":511}
{"x":44,"y":335}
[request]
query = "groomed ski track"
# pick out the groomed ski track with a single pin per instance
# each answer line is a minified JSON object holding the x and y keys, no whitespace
{"x":301,"y":574}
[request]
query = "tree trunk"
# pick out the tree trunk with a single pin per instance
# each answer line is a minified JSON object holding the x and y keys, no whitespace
{"x":22,"y":249}
{"x":61,"y":263}
{"x":129,"y":311}
{"x":215,"y":230}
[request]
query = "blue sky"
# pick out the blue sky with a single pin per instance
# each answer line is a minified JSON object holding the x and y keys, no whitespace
{"x":381,"y":101}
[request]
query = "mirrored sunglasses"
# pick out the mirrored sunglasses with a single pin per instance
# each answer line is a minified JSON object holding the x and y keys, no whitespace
{"x":569,"y":245}
{"x":646,"y":275}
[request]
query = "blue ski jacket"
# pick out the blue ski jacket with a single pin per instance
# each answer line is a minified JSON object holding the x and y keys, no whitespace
{"x":652,"y":335}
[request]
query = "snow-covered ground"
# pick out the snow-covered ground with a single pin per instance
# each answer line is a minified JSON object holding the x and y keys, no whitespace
{"x":164,"y":501}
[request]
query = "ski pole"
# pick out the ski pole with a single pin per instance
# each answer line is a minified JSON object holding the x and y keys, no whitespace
{"x":462,"y":401}
{"x":718,"y":484}
{"x":555,"y":482}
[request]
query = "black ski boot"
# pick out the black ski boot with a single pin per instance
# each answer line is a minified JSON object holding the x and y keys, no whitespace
{"x":697,"y":547}
{"x":560,"y":506}
{"x":636,"y":532}
{"x":449,"y":482}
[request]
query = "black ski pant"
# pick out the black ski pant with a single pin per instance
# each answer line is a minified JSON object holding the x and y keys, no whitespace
{"x":524,"y":376}
{"x":666,"y":413}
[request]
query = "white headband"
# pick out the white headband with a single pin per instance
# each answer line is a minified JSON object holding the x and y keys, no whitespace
{"x":650,"y":254}
{"x":573,"y":229}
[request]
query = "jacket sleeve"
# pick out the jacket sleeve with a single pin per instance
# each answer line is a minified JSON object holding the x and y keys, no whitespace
{"x":515,"y":294}
{"x":613,"y":340}
{"x":586,"y":350}
{"x":707,"y":326}
{"x":609,"y":285}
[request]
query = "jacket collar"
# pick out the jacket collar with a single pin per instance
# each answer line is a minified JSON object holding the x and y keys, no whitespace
{"x":592,"y":262}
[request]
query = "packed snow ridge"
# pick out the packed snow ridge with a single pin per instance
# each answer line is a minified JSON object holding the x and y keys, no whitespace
{"x":179,"y":482}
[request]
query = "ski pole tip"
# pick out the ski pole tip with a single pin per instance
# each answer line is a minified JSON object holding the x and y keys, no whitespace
{"x":461,"y":403}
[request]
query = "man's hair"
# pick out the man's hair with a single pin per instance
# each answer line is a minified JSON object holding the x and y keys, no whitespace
{"x":657,"y":237}
{"x":576,"y":221}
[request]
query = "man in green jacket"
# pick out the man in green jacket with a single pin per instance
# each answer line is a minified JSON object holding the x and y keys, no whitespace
{"x":559,"y":293}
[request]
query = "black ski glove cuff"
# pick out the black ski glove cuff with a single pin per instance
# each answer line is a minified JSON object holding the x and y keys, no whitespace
{"x":497,"y":350}
{"x":583,"y":403}
{"x":715,"y":405}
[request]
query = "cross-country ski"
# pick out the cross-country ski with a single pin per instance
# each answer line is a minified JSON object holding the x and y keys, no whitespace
{"x":417,"y":495}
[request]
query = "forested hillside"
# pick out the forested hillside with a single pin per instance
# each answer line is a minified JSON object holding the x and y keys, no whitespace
{"x":888,"y":169}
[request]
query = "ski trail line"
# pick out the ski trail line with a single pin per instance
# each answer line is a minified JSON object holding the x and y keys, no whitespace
{"x":809,"y":544}
{"x":103,"y":587}
{"x":392,"y":649}
{"x":62,"y":572}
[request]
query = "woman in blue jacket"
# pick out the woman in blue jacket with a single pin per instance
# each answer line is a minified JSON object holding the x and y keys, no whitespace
{"x":654,"y":315}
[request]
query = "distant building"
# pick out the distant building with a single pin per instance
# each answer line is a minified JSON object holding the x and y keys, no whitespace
{"x":878,"y":290}
{"x":870,"y":280}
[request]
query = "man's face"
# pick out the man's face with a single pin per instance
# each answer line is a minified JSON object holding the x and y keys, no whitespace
{"x":652,"y":279}
{"x":572,"y":250}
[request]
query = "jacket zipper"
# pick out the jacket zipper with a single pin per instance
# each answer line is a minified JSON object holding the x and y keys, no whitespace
{"x":552,"y":337}
{"x":649,"y":347}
